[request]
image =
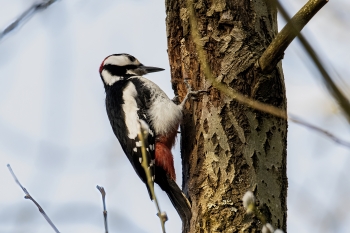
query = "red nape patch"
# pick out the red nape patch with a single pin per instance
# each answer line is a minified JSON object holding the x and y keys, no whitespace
{"x":102,"y":64}
{"x":164,"y":159}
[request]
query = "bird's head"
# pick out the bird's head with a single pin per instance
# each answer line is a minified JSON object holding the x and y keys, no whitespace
{"x":122,"y":66}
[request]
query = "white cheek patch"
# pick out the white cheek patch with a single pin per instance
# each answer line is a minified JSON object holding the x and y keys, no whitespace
{"x":130,"y":109}
{"x":120,"y":60}
{"x":110,"y":79}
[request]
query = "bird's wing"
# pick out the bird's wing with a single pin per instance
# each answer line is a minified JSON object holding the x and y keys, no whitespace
{"x":125,"y":108}
{"x":149,"y":142}
{"x":142,"y":99}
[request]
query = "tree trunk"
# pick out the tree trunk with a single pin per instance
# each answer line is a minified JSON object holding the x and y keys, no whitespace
{"x":228,"y":148}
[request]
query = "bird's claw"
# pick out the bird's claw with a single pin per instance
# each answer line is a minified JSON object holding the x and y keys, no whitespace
{"x":191,"y":94}
{"x":195,"y":94}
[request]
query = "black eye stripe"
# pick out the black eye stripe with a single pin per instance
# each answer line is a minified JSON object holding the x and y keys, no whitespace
{"x":129,"y":67}
{"x":118,"y":70}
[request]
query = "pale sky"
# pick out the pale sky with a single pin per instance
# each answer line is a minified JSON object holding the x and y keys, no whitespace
{"x":55,"y":133}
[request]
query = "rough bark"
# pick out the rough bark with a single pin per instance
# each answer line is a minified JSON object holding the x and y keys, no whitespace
{"x":228,"y":148}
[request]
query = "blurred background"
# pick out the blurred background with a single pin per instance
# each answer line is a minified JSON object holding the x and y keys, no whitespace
{"x":55,"y":133}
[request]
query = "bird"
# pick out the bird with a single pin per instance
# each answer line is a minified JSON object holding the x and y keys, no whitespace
{"x":131,"y":99}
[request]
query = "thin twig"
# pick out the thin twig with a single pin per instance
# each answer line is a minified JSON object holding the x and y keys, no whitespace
{"x":25,"y":16}
{"x":274,"y":53}
{"x":162,"y":215}
{"x":220,"y":86}
{"x":343,"y":102}
{"x":103,"y":194}
{"x":28,"y":196}
{"x":319,"y":130}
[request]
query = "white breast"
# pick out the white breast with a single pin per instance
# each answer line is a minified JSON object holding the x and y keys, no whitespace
{"x":165,"y":115}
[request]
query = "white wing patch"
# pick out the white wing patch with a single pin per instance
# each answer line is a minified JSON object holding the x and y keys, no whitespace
{"x":130,"y":109}
{"x":151,"y":132}
{"x":151,"y":146}
{"x":110,"y":79}
{"x":138,"y":144}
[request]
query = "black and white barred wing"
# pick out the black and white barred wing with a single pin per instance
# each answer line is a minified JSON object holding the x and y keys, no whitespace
{"x":149,"y":143}
{"x":133,"y":111}
{"x":125,"y":109}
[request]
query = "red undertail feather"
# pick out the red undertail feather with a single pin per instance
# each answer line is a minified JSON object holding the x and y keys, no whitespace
{"x":163,"y":156}
{"x":164,"y":159}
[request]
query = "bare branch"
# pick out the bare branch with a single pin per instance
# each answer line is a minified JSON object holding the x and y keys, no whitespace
{"x":327,"y":79}
{"x":162,"y":215}
{"x":103,"y":194}
{"x":274,"y":53}
{"x":28,"y":196}
{"x":317,"y":129}
{"x":25,"y":16}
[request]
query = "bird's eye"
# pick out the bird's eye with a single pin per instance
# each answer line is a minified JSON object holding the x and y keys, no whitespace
{"x":131,"y":58}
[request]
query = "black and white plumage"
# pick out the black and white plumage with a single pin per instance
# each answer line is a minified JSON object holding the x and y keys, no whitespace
{"x":131,"y":98}
{"x":124,"y":112}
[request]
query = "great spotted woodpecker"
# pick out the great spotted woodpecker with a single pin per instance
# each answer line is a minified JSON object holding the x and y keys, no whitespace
{"x":130,"y":98}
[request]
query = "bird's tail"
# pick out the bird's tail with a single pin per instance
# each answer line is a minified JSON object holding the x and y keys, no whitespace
{"x":177,"y":198}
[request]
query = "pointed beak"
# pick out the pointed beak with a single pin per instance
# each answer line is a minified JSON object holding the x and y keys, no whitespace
{"x":151,"y":69}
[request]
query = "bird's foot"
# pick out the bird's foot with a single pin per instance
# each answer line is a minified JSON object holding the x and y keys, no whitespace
{"x":195,"y":94}
{"x":190,"y":93}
